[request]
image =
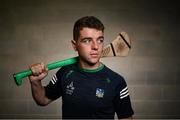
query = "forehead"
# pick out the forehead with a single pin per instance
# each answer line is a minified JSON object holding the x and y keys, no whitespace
{"x":90,"y":32}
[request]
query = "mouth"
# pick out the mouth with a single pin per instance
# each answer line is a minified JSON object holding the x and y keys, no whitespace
{"x":94,"y":54}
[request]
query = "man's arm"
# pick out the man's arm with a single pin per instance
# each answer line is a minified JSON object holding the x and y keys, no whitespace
{"x":38,"y":93}
{"x":39,"y":72}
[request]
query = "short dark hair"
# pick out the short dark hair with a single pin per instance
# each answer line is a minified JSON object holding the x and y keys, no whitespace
{"x":87,"y":21}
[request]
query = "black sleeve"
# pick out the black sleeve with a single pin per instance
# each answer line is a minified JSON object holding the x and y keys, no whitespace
{"x":122,"y":101}
{"x":54,"y":89}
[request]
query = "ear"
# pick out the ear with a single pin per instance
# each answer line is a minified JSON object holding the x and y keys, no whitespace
{"x":73,"y":42}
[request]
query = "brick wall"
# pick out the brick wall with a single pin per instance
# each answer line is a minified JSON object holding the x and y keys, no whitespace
{"x":41,"y":30}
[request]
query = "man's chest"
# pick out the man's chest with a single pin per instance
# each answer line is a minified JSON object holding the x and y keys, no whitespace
{"x":88,"y":90}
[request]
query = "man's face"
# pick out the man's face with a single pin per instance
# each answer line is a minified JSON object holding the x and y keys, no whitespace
{"x":89,"y":45}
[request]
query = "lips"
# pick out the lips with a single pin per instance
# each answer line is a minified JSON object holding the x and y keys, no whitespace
{"x":94,"y":54}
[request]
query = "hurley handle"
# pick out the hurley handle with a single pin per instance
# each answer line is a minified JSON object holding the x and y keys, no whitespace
{"x":19,"y":76}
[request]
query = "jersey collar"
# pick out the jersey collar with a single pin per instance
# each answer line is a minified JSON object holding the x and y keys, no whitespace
{"x":94,"y":70}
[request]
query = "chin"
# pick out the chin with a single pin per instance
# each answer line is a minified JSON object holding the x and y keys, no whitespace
{"x":94,"y":61}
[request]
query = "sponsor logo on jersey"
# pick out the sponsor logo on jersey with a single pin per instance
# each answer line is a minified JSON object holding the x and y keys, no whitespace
{"x":99,"y":92}
{"x":70,"y":88}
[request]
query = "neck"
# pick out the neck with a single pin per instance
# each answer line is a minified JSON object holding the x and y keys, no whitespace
{"x":88,"y":65}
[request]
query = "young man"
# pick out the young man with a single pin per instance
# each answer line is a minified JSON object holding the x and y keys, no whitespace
{"x":88,"y":88}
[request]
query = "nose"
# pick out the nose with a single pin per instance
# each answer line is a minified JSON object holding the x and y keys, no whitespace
{"x":94,"y":45}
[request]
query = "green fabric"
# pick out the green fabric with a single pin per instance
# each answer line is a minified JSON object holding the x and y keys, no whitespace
{"x":93,"y":70}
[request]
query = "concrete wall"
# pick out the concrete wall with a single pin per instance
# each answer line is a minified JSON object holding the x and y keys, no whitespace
{"x":41,"y":30}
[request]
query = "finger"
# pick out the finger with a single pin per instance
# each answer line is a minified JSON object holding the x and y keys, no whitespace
{"x":44,"y":68}
{"x":33,"y":71}
{"x":42,"y":75}
{"x":36,"y":69}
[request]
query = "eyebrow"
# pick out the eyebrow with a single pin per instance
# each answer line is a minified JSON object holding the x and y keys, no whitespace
{"x":86,"y":38}
{"x":101,"y":37}
{"x":91,"y":37}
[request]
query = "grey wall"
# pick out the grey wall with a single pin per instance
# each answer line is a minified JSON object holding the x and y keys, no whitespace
{"x":41,"y":30}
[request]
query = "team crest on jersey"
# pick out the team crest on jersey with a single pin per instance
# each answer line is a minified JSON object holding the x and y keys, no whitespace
{"x":70,"y":88}
{"x":99,"y":92}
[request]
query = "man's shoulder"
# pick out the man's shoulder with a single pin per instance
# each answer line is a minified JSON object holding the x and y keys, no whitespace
{"x":66,"y":68}
{"x":111,"y":73}
{"x":117,"y":79}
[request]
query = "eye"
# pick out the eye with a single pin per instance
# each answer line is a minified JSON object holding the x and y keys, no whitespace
{"x":86,"y":40}
{"x":100,"y":40}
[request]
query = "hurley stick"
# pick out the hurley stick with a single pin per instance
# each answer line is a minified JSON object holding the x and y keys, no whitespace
{"x":118,"y":47}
